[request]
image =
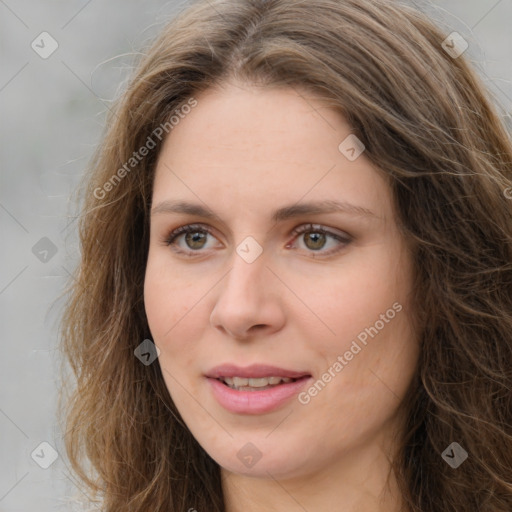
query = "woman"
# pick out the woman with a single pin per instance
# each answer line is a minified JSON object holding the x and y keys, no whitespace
{"x":295,"y":289}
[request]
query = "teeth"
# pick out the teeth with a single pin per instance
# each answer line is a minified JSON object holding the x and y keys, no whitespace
{"x":228,"y":381}
{"x":239,"y":382}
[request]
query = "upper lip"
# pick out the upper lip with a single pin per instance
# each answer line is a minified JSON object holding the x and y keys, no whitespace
{"x":253,"y":371}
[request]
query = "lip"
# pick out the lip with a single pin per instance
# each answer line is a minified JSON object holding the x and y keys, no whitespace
{"x":253,"y":371}
{"x":255,"y":402}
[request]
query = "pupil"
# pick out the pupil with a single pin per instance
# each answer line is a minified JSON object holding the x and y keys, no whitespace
{"x":193,"y":238}
{"x":317,"y":239}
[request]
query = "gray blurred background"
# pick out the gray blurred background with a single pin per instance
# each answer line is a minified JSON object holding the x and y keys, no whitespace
{"x":52,"y":114}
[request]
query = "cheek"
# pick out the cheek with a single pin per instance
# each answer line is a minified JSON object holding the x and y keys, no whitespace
{"x":366,"y":310}
{"x":165,"y":302}
{"x":357,"y":298}
{"x":167,"y":317}
{"x":176,"y":319}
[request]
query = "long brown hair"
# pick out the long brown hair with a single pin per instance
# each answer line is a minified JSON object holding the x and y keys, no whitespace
{"x":426,"y":121}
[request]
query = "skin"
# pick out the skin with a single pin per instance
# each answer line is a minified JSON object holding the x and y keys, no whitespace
{"x":244,"y":151}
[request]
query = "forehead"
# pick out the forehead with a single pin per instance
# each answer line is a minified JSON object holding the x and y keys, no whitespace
{"x":260,"y":148}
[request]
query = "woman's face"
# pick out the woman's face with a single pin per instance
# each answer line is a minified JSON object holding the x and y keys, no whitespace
{"x":271,"y":275}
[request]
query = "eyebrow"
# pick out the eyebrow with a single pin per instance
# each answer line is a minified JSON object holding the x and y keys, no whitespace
{"x":279,"y":215}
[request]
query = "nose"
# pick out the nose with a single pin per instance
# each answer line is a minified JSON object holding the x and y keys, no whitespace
{"x":249,"y":300}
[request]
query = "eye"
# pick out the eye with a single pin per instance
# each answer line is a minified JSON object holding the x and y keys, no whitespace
{"x":317,"y":237}
{"x":195,"y":237}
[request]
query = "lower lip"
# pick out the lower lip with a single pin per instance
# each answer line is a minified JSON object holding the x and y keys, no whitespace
{"x":256,"y":402}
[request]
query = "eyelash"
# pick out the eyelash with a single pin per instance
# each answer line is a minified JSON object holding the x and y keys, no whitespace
{"x":169,"y":240}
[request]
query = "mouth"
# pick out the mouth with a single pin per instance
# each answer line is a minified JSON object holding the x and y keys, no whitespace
{"x":256,"y":377}
{"x":256,"y":389}
{"x":257,"y":384}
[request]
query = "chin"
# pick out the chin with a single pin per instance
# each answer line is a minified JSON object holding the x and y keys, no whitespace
{"x":260,"y":458}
